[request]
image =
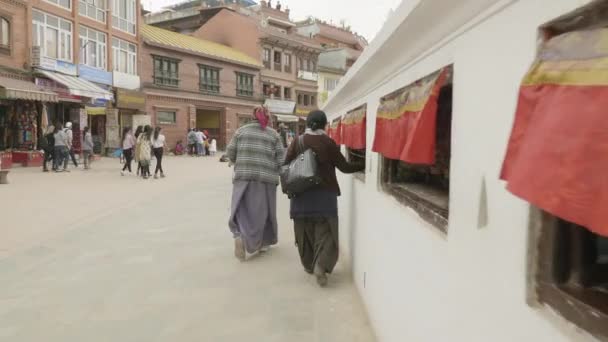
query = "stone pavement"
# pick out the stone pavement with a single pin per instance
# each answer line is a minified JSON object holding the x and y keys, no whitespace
{"x":93,"y":256}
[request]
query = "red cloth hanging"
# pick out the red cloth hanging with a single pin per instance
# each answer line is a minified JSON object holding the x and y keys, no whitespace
{"x":334,"y":130}
{"x":406,"y":121}
{"x":353,"y":133}
{"x":557,"y":157}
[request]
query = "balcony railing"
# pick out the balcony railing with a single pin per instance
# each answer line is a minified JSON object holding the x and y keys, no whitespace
{"x":308,"y":75}
{"x":277,"y":66}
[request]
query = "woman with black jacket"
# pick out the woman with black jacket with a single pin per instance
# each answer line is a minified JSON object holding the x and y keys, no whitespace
{"x":315,"y":212}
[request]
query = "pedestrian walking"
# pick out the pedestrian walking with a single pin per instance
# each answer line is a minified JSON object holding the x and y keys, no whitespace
{"x":70,"y":145}
{"x":257,"y":154}
{"x":144,"y":151}
{"x":87,"y":148}
{"x":158,"y":147}
{"x":191,"y":139}
{"x":315,"y":212}
{"x":138,"y":132}
{"x":47,"y":143}
{"x":128,"y":144}
{"x":60,"y":152}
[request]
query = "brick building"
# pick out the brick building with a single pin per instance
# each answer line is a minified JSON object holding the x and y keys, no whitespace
{"x":342,"y":48}
{"x":195,"y":83}
{"x":79,"y":62}
{"x":289,"y":74}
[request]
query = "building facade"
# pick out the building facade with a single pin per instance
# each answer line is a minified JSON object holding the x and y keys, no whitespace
{"x":194,"y":83}
{"x":469,"y":250}
{"x":289,"y":74}
{"x":341,"y":49}
{"x":84,"y":52}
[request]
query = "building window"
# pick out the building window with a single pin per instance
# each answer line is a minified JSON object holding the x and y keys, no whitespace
{"x":166,"y":117}
{"x":287,"y":93}
{"x":331,"y":84}
{"x":306,"y":100}
{"x":5,"y":35}
{"x":287,"y":62}
{"x":94,"y":9}
{"x":61,"y":3}
{"x":267,"y":89}
{"x":124,"y":56}
{"x":53,"y":35}
{"x":124,"y":15}
{"x":209,"y":79}
{"x":244,"y":84}
{"x":568,"y":239}
{"x":571,"y":271}
{"x":277,"y":60}
{"x":266,"y":58}
{"x":166,"y":71}
{"x":425,"y":186}
{"x":300,"y":99}
{"x":313,"y":100}
{"x":92,"y":48}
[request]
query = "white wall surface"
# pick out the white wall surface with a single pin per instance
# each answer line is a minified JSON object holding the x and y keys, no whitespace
{"x":470,"y":285}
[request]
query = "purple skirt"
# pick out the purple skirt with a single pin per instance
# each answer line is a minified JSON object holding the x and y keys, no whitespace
{"x":254,"y":214}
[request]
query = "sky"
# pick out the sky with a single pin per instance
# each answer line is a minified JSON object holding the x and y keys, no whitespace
{"x":366,"y":17}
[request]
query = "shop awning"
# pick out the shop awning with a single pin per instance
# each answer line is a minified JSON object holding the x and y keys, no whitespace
{"x":78,"y":86}
{"x":286,"y":118}
{"x":22,"y":90}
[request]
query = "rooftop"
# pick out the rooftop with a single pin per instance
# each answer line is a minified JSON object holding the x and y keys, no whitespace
{"x":165,"y":38}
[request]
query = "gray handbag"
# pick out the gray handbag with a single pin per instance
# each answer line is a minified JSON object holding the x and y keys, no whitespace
{"x":302,"y":173}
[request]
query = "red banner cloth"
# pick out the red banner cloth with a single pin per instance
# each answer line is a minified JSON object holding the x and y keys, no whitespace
{"x":557,"y":157}
{"x":354,"y":129}
{"x":406,"y":121}
{"x":335,"y":130}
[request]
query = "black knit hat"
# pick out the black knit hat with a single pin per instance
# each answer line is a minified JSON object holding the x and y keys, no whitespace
{"x":316,"y":120}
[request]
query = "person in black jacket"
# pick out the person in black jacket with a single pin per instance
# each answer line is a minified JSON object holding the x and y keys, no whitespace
{"x":47,"y":144}
{"x":315,"y":212}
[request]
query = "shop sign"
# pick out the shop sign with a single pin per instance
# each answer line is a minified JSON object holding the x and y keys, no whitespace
{"x":62,"y":91}
{"x":280,"y":106}
{"x":130,"y":99}
{"x":51,"y":64}
{"x":126,"y":81}
{"x":94,"y":75}
{"x":302,"y":112}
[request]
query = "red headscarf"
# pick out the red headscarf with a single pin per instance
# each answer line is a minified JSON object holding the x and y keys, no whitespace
{"x":261,"y":114}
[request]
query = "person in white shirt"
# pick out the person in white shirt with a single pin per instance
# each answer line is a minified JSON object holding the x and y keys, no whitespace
{"x":158,"y":147}
{"x":70,"y":145}
{"x":213,"y":146}
{"x":128,"y":144}
{"x":200,"y":142}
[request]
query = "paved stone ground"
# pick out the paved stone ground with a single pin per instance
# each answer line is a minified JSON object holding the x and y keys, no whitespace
{"x":93,"y":256}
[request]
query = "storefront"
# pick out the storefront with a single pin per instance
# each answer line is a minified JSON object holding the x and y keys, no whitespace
{"x":96,"y":111}
{"x":21,"y":120}
{"x":76,"y":94}
{"x":283,"y":114}
{"x":131,"y":105}
{"x":129,"y":108}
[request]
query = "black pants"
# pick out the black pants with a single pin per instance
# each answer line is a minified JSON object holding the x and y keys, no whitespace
{"x":68,"y":157}
{"x":192,"y":149}
{"x":145,"y":169}
{"x":317,"y":241}
{"x":128,"y":153}
{"x":48,"y":156}
{"x":158,"y":153}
